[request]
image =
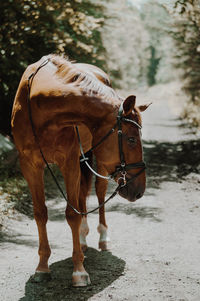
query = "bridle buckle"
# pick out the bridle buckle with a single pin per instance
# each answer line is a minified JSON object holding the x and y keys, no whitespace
{"x":122,"y":180}
{"x":123,"y":164}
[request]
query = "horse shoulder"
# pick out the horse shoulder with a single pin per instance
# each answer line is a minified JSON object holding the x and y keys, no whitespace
{"x":86,"y":137}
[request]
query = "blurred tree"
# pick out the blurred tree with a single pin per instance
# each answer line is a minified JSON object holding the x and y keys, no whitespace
{"x":153,"y":67}
{"x":157,"y":22}
{"x":126,"y":42}
{"x":186,"y":33}
{"x":30,"y":29}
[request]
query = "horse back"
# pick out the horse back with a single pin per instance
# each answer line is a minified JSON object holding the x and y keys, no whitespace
{"x":49,"y":91}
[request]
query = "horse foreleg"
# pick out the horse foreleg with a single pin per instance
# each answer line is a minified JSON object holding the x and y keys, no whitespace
{"x":86,"y":181}
{"x":34,"y":177}
{"x":79,"y":277}
{"x":101,"y":188}
{"x":84,"y":230}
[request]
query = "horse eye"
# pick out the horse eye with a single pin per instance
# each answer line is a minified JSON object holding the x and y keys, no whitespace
{"x":132,"y":140}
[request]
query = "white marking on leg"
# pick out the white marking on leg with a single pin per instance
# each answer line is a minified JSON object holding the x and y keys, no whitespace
{"x":79,"y":273}
{"x":84,"y":230}
{"x":80,"y":278}
{"x":103,"y":233}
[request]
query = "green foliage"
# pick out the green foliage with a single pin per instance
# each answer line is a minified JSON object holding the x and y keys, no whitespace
{"x":186,"y":33}
{"x":30,"y":29}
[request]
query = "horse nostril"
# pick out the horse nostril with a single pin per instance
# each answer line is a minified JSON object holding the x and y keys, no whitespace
{"x":138,"y":196}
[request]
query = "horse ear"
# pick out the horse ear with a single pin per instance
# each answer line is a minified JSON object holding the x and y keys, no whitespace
{"x":129,"y":104}
{"x":143,"y":108}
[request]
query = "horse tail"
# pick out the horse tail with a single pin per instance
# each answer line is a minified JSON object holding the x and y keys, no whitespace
{"x":86,"y":174}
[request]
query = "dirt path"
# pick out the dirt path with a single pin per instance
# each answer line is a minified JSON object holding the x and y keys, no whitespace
{"x":155,"y":242}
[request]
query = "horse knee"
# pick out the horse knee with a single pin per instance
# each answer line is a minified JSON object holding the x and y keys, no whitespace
{"x":101,"y":187}
{"x":41,"y":215}
{"x":72,"y":217}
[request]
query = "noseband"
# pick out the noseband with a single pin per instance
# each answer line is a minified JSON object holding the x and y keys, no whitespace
{"x":123,"y":167}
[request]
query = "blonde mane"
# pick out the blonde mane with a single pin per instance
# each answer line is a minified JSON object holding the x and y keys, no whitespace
{"x":89,"y":84}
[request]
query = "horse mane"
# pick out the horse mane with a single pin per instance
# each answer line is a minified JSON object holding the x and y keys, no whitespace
{"x":87,"y":82}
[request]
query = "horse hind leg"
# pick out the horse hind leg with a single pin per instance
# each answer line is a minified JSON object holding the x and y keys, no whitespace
{"x":84,"y":230}
{"x":34,"y":177}
{"x":86,"y":181}
{"x":72,"y":181}
{"x":101,"y":188}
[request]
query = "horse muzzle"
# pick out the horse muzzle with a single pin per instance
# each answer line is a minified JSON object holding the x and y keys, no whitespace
{"x":132,"y":193}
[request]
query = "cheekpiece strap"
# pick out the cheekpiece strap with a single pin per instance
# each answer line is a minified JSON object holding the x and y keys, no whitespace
{"x":120,"y":111}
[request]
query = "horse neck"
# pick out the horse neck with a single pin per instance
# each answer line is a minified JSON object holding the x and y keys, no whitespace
{"x":93,"y":112}
{"x":99,"y":114}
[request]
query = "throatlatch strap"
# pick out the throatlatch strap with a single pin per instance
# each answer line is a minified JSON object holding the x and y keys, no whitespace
{"x":119,"y":123}
{"x":86,"y":159}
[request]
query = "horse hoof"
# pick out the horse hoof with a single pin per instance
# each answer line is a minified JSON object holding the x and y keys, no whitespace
{"x":84,"y":247}
{"x":80,"y":279}
{"x":104,"y":245}
{"x":41,"y":276}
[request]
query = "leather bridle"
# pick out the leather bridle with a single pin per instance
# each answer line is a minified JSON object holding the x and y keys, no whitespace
{"x":123,"y":167}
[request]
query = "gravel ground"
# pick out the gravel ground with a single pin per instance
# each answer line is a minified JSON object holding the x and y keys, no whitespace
{"x":155,"y":242}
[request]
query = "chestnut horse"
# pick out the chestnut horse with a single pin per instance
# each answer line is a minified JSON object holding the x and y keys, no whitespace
{"x":62,"y":96}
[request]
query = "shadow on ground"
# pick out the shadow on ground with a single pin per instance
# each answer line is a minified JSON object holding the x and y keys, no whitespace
{"x":141,"y":212}
{"x":170,"y":161}
{"x":103,"y":267}
{"x":17,"y":239}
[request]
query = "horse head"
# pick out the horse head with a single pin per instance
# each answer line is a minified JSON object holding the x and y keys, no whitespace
{"x":122,"y":155}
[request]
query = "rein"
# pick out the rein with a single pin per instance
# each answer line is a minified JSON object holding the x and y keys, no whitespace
{"x":119,"y":169}
{"x":123,"y":167}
